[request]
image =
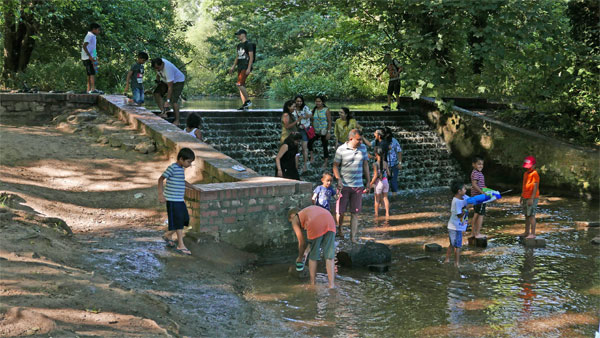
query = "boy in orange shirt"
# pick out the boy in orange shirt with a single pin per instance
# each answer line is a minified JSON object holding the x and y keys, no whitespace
{"x":530,"y":195}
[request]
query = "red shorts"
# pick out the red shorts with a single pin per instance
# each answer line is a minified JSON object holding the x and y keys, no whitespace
{"x":241,"y":78}
{"x":352,"y":196}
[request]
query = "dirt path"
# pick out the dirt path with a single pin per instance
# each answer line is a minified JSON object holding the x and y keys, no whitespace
{"x":113,"y":277}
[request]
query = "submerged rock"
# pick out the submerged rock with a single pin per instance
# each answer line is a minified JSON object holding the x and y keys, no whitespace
{"x":370,"y":253}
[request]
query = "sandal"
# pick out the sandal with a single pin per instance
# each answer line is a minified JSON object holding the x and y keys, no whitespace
{"x":184,"y":251}
{"x":299,"y":266}
{"x":170,"y":243}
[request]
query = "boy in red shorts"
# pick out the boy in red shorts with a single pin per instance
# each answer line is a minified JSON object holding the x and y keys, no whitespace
{"x":244,"y":60}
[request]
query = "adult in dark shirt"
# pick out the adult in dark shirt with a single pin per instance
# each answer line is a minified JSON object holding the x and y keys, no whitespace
{"x":286,"y":160}
{"x":244,"y":60}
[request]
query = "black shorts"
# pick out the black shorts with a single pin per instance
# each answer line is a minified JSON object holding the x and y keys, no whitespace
{"x":162,"y":89}
{"x":178,"y":215}
{"x":394,"y":87}
{"x":479,"y":209}
{"x":89,"y":67}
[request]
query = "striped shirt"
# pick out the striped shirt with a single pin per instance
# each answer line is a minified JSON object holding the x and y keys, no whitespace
{"x":478,"y":177}
{"x":351,"y":164}
{"x":175,"y":186}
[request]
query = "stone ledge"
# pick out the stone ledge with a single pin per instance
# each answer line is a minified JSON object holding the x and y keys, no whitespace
{"x":49,"y":97}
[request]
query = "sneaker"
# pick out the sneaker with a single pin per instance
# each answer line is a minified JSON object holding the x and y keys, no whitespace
{"x":247,"y":104}
{"x":386,"y":107}
{"x":95,"y":91}
{"x":242,"y":108}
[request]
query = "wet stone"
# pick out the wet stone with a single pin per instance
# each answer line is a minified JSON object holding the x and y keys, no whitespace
{"x":596,"y":240}
{"x":534,"y":242}
{"x":379,"y":267}
{"x":478,"y":242}
{"x":433,"y":247}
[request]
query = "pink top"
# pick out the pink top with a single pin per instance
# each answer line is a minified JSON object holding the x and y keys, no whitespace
{"x":317,"y":221}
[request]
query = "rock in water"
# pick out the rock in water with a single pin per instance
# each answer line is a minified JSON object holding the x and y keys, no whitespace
{"x":371,"y":253}
{"x":433,"y":247}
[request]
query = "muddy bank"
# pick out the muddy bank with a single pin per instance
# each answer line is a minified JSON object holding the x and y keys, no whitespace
{"x":98,"y":265}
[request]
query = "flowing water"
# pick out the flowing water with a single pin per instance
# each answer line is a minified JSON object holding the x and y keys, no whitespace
{"x":503,"y":290}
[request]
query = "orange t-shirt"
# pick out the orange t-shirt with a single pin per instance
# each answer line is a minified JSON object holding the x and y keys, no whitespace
{"x":530,"y":178}
{"x":317,"y":221}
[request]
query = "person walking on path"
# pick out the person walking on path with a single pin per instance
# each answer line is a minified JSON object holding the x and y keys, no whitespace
{"x":288,"y":122}
{"x":350,"y":166}
{"x":303,"y":116}
{"x":320,"y":231}
{"x":171,"y":81}
{"x":286,"y":159}
{"x":244,"y":60}
{"x":321,"y":117}
{"x":394,"y":69}
{"x":89,"y":57}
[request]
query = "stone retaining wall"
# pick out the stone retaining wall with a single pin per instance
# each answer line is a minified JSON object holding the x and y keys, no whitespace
{"x":563,"y":168}
{"x":41,"y":107}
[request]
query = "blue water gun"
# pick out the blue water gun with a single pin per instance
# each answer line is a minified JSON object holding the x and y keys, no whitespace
{"x":489,"y":195}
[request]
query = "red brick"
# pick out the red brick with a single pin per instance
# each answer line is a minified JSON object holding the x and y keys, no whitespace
{"x":210,"y":229}
{"x":209,"y":196}
{"x":229,"y":220}
{"x":272,"y":207}
{"x":241,"y":210}
{"x":211,"y":213}
{"x":255,"y":208}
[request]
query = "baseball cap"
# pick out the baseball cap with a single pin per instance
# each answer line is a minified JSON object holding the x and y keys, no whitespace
{"x":241,"y":31}
{"x":529,"y":162}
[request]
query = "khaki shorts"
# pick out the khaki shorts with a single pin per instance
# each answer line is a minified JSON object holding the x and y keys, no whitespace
{"x":529,"y":210}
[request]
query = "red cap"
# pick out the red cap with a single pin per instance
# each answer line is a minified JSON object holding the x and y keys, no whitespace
{"x":529,"y":162}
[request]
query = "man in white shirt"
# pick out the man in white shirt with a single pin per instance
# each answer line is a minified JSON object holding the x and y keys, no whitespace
{"x":170,"y":84}
{"x":90,"y":57}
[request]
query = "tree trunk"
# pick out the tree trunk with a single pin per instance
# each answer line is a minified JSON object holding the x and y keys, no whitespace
{"x":19,"y":28}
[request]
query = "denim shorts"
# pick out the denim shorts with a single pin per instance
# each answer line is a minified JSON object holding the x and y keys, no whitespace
{"x":304,"y":135}
{"x":455,"y":237}
{"x":325,"y":242}
{"x":138,"y":95}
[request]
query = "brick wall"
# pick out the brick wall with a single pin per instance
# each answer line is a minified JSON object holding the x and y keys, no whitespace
{"x":41,"y":107}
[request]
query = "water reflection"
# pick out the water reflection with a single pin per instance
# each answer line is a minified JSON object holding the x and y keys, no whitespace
{"x":503,"y":290}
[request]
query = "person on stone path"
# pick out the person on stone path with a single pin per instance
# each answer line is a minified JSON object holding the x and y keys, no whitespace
{"x":320,"y":231}
{"x":350,"y":166}
{"x":457,"y":224}
{"x":321,"y":121}
{"x":135,"y":76}
{"x":89,"y":57}
{"x":530,"y":195}
{"x":244,"y":60}
{"x":303,"y":115}
{"x":170,"y":85}
{"x":192,"y":126}
{"x":394,"y":69}
{"x":381,"y":172}
{"x":288,"y":121}
{"x":173,"y":193}
{"x":477,"y":184}
{"x":286,"y":160}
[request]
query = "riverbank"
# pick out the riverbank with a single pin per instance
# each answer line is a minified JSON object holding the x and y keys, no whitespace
{"x":113,"y":276}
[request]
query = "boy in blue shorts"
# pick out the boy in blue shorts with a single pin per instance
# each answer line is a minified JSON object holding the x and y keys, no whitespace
{"x":135,"y":76}
{"x":172,"y":193}
{"x":324,"y":192}
{"x":458,"y":221}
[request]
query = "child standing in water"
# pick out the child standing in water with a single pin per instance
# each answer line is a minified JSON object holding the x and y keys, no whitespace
{"x":324,"y":192}
{"x":530,"y":195}
{"x":477,"y":185}
{"x":380,"y":182}
{"x":458,"y":221}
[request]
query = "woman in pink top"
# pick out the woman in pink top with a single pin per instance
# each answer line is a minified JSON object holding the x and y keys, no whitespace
{"x":320,"y":231}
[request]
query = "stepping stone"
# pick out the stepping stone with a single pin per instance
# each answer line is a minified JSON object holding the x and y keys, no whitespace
{"x":596,"y":240}
{"x":417,"y":257}
{"x":588,"y":224}
{"x":478,"y":242}
{"x":534,"y":242}
{"x":433,"y":247}
{"x":379,"y":267}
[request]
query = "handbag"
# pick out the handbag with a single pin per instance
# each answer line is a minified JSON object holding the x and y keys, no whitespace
{"x":310,"y":132}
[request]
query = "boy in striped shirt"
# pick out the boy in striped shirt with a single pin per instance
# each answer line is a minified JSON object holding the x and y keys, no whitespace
{"x":477,"y":185}
{"x":172,"y":193}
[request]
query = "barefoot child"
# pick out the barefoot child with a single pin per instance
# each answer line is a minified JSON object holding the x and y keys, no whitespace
{"x":172,"y":193}
{"x":381,"y":171}
{"x":458,"y":221}
{"x":323,"y":193}
{"x":530,"y":195}
{"x":477,"y":185}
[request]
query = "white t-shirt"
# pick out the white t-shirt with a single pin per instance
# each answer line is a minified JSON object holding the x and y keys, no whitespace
{"x":90,"y":38}
{"x":459,"y":207}
{"x":304,"y":116}
{"x":170,"y":73}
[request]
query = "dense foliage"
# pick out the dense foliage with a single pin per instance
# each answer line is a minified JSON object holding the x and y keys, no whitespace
{"x":541,"y":54}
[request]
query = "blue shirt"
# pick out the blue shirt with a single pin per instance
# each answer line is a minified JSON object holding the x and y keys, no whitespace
{"x":351,"y":164}
{"x":322,"y":196}
{"x":392,"y":158}
{"x":175,"y":186}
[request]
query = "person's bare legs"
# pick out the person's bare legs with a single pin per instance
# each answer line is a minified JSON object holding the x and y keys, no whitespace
{"x":243,"y":93}
{"x":159,"y":102}
{"x":474,"y":229}
{"x":386,"y":203}
{"x":389,"y":101}
{"x":448,"y":252}
{"x":304,"y":154}
{"x":312,"y":269}
{"x":531,"y":221}
{"x":479,"y":224}
{"x":377,"y":199}
{"x":354,"y":227}
{"x":180,"y":244}
{"x":88,"y":83}
{"x":176,"y":111}
{"x":527,"y":226}
{"x":457,"y":257}
{"x":340,"y":221}
{"x":330,"y":266}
